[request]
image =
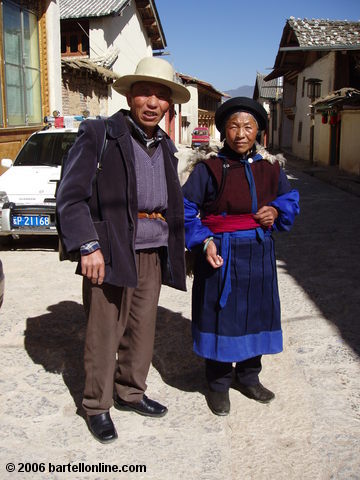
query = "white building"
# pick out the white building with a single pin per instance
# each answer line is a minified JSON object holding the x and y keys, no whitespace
{"x":269,"y":95}
{"x":113,"y":35}
{"x":315,"y":57}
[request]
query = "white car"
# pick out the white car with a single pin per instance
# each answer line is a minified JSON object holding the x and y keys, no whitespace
{"x":27,"y":188}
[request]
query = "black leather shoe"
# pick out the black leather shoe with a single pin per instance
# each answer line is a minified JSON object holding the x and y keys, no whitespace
{"x":102,"y":427}
{"x":146,"y":407}
{"x":219,"y":402}
{"x":256,"y":392}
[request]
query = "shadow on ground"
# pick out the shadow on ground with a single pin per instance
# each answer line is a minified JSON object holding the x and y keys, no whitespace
{"x":173,"y":357}
{"x":55,"y":340}
{"x":322,"y":253}
{"x":29,"y":242}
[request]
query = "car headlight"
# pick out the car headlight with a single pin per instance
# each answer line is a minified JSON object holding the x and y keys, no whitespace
{"x":3,"y":197}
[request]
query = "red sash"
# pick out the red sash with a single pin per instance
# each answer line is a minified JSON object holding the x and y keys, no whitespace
{"x":230,"y":223}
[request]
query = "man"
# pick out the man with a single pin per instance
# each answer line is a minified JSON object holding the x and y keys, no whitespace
{"x":126,"y":218}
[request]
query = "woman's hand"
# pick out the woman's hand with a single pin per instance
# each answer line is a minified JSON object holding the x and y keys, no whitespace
{"x":211,"y":255}
{"x":266,"y":216}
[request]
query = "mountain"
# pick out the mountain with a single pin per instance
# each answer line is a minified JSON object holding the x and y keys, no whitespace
{"x":244,"y":91}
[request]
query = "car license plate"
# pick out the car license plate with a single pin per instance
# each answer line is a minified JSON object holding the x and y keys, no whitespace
{"x":31,"y":221}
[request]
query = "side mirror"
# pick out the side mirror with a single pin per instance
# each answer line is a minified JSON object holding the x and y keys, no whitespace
{"x":6,"y":162}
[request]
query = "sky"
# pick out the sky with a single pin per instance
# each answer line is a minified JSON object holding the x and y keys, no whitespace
{"x":226,"y":42}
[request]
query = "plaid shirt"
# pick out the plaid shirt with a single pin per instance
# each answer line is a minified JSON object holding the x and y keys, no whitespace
{"x":142,"y":137}
{"x":89,"y":247}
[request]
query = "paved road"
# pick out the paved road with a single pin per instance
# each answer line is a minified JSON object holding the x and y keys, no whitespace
{"x":311,"y":431}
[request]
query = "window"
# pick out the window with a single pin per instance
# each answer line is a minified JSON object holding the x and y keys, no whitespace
{"x":299,"y":132}
{"x":22,"y":66}
{"x":45,"y":149}
{"x":74,"y":38}
{"x":314,"y":88}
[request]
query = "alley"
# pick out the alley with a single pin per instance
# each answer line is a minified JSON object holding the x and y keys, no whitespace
{"x":311,"y":430}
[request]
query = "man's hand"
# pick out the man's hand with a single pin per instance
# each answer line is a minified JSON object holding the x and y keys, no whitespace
{"x":93,"y":267}
{"x":212,"y":257}
{"x":266,"y":216}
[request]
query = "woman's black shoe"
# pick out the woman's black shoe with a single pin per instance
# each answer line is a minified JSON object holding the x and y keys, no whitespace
{"x":256,"y":392}
{"x":146,"y":407}
{"x":219,"y":402}
{"x":102,"y":427}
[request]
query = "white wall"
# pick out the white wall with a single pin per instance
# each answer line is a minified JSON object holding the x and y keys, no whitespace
{"x":274,"y":134}
{"x":190,"y":111}
{"x":277,"y":132}
{"x":287,"y":127}
{"x":177,"y":126}
{"x":321,"y":141}
{"x":127,"y":34}
{"x":53,"y":54}
{"x":217,"y":135}
{"x":350,"y":141}
{"x":324,"y":70}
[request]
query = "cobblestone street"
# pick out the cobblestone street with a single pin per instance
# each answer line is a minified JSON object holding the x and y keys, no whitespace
{"x":311,"y":430}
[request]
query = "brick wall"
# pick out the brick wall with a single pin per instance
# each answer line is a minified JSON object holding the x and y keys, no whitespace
{"x":83,"y":92}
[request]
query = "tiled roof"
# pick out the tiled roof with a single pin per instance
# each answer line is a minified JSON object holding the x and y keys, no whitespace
{"x":325,"y":33}
{"x":301,"y":35}
{"x":90,"y":8}
{"x":80,"y":63}
{"x":70,"y":9}
{"x":187,"y":79}
{"x":344,"y":96}
{"x":270,"y":89}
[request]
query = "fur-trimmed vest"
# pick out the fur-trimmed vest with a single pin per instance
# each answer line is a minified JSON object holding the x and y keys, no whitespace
{"x":233,"y":187}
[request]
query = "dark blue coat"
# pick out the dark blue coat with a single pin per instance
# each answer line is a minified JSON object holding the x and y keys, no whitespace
{"x":236,"y":308}
{"x":115,"y":227}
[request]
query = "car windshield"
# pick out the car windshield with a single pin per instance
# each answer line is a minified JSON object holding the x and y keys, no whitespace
{"x":45,"y":149}
{"x":200,"y":132}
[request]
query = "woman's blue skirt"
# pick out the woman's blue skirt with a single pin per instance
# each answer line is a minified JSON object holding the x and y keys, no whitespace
{"x":248,"y":324}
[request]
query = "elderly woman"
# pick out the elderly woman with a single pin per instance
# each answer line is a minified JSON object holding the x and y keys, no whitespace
{"x":233,"y":201}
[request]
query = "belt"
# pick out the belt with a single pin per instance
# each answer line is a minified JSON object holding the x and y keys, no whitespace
{"x":152,"y":216}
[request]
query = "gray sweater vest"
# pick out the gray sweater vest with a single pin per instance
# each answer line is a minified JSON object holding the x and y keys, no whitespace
{"x":152,"y":197}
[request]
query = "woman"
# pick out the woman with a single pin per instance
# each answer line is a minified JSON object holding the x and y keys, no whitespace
{"x":233,"y":201}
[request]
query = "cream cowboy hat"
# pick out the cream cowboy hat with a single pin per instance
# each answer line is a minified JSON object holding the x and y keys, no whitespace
{"x":152,"y":69}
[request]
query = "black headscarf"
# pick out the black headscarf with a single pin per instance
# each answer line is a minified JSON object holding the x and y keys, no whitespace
{"x":240,"y":104}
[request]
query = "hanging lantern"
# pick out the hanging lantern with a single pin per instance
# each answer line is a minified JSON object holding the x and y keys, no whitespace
{"x":324,"y":117}
{"x":333,"y":118}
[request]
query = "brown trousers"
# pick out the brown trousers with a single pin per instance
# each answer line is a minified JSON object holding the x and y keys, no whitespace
{"x":120,"y":336}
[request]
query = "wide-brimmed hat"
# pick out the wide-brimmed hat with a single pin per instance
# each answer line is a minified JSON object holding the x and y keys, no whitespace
{"x":156,"y":70}
{"x":240,"y":104}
